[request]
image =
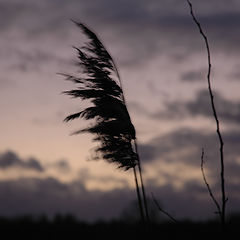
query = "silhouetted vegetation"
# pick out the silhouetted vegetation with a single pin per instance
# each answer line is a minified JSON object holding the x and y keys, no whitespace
{"x":221,"y":208}
{"x":68,"y":227}
{"x":100,"y":84}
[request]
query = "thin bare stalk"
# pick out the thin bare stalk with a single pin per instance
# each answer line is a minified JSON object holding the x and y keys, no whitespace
{"x":139,"y":162}
{"x":163,"y":211}
{"x":139,"y":165}
{"x":207,"y":184}
{"x":142,"y":184}
{"x":221,"y":143}
{"x":139,"y":195}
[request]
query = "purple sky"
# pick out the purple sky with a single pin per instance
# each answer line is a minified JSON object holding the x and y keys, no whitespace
{"x":163,"y":65}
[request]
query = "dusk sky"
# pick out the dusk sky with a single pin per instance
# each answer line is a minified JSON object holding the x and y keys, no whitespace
{"x":162,"y":61}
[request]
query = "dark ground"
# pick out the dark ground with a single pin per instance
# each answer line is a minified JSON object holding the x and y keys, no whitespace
{"x":67,"y":227}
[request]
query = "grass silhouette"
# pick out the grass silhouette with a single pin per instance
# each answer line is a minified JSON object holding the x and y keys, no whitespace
{"x":100,"y":84}
{"x":68,"y":227}
{"x":220,"y":210}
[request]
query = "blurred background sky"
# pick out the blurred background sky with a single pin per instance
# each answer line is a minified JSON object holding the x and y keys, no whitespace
{"x":163,"y":64}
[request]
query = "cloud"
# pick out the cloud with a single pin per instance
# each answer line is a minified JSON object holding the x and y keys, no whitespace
{"x":49,"y":196}
{"x":182,"y":149}
{"x":227,"y":110}
{"x":60,"y":165}
{"x":137,"y":108}
{"x":192,"y":76}
{"x":63,"y":165}
{"x":147,"y":27}
{"x":10,"y":159}
{"x":6,"y":83}
{"x":235,"y":75}
{"x":104,"y":182}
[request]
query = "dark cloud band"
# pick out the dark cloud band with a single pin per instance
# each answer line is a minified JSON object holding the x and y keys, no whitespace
{"x":9,"y":160}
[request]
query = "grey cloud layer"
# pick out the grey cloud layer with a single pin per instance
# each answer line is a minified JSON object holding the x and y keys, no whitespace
{"x":145,"y":28}
{"x":186,"y":144}
{"x":10,"y":159}
{"x":192,"y":201}
{"x":49,"y":196}
{"x":228,"y":110}
{"x":192,"y":76}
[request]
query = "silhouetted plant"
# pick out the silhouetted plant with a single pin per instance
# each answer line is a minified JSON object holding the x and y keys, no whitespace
{"x":100,"y":83}
{"x":207,"y":184}
{"x":163,"y":211}
{"x":222,"y":209}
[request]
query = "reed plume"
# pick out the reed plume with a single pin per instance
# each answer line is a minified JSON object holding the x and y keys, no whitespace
{"x":100,"y":84}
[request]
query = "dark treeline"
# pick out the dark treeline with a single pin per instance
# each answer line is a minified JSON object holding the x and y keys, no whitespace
{"x":68,"y":227}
